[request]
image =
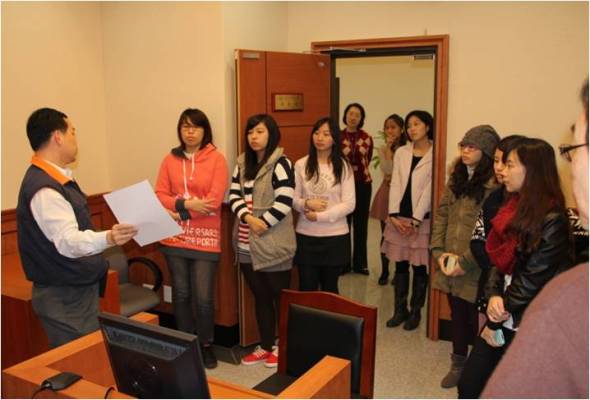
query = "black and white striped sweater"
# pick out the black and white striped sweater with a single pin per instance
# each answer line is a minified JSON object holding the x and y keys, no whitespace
{"x":283,"y":183}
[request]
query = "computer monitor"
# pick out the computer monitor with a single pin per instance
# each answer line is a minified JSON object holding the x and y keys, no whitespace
{"x":150,"y":361}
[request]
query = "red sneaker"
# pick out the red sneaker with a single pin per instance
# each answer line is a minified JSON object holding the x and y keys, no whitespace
{"x":272,"y":361}
{"x":257,"y":356}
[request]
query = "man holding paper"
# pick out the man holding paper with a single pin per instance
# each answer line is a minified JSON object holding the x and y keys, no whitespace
{"x":59,"y":249}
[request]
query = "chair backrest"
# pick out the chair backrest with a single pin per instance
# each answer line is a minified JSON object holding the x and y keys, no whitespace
{"x":315,"y":324}
{"x":118,"y":261}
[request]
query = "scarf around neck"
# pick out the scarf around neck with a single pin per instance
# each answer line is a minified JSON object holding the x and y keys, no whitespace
{"x":501,"y":245}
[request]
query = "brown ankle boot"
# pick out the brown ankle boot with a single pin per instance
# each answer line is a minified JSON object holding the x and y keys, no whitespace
{"x":452,"y":378}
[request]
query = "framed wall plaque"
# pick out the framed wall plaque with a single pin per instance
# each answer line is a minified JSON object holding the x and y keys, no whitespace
{"x":287,"y":102}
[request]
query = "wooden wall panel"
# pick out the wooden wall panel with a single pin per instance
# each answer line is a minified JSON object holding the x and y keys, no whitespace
{"x":226,"y":304}
{"x":299,"y":73}
{"x":295,"y":141}
{"x":261,"y":74}
{"x":251,"y":88}
{"x":226,"y":313}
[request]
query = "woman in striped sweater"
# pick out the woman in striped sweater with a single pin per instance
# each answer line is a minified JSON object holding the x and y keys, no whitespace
{"x":261,"y":196}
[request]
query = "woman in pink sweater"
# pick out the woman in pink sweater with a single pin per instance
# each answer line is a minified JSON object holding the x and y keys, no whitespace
{"x":324,"y":196}
{"x":191,"y":185}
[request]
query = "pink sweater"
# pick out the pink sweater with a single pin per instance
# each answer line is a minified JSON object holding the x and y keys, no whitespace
{"x":205,"y":177}
{"x":340,"y":197}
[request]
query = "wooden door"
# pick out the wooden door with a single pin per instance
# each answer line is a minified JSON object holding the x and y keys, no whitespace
{"x":295,"y":89}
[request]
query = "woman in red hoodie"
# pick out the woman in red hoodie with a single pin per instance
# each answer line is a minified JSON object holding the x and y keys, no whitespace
{"x":191,"y":185}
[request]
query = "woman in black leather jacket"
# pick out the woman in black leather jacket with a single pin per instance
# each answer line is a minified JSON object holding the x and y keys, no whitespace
{"x":483,"y":224}
{"x":528,"y":245}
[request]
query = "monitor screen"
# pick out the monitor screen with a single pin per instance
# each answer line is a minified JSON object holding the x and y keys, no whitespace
{"x":150,"y":361}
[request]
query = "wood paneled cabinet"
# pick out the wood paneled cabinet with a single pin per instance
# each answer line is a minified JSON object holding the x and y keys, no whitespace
{"x":22,"y":334}
{"x":87,"y":357}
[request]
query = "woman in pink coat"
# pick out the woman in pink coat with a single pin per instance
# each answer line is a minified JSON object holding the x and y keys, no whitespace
{"x":407,"y":233}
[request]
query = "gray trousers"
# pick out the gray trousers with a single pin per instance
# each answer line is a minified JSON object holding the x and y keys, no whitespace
{"x":66,"y":312}
{"x":193,"y":295}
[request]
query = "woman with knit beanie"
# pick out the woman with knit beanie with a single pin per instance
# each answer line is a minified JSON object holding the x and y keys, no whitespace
{"x":470,"y":183}
{"x":528,"y":245}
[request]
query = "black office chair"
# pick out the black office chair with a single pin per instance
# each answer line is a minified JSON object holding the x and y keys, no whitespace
{"x":316,"y":324}
{"x":134,"y":298}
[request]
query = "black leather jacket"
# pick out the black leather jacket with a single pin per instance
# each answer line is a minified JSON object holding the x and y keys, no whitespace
{"x":532,"y":271}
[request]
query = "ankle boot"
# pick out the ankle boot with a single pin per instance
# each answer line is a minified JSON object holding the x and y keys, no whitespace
{"x":209,"y":359}
{"x":384,"y":270}
{"x":419,"y":289}
{"x":452,"y":377}
{"x":400,"y":294}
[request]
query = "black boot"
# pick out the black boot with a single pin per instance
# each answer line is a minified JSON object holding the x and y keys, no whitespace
{"x":400,"y":294}
{"x":209,"y":359}
{"x":384,"y":270}
{"x":419,"y":289}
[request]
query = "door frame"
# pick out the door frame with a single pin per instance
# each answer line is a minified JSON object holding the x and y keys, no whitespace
{"x":440,"y":45}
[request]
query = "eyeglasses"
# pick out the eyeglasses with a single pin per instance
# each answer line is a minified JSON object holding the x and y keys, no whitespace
{"x":565,"y":150}
{"x":468,"y":147}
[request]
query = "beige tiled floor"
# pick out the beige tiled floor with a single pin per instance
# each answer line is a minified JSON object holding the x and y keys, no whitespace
{"x":408,"y":364}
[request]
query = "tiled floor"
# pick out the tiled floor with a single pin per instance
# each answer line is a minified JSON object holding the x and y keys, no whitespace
{"x":408,"y":364}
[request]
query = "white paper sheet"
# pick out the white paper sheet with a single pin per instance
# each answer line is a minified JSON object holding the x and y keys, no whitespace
{"x":138,"y":205}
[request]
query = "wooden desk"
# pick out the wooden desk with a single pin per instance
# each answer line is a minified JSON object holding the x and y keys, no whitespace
{"x":23,"y":336}
{"x":87,"y":356}
{"x":226,"y":294}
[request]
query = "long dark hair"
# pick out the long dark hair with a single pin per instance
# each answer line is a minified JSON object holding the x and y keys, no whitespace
{"x":508,"y":143}
{"x":399,"y":121}
{"x":198,"y":119}
{"x":338,"y":162}
{"x":274,"y":137}
{"x":461,"y":185}
{"x":540,"y":192}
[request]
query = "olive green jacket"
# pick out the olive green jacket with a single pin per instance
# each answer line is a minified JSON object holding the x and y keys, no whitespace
{"x":452,"y":228}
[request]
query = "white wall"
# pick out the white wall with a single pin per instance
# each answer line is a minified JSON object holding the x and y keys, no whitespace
{"x":160,"y":58}
{"x":515,"y":65}
{"x":383,"y":86}
{"x":253,"y":26}
{"x":52,"y":57}
{"x":123,"y":71}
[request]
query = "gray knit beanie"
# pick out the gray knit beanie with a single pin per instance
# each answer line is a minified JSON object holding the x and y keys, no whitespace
{"x":484,"y":137}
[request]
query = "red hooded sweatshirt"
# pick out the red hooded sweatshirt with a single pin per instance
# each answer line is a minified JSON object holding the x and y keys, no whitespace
{"x":203,"y":175}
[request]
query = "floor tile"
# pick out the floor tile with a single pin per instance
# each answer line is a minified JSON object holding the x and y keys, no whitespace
{"x":408,"y":364}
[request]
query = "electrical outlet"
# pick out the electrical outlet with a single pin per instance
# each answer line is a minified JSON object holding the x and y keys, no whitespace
{"x":167,"y":294}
